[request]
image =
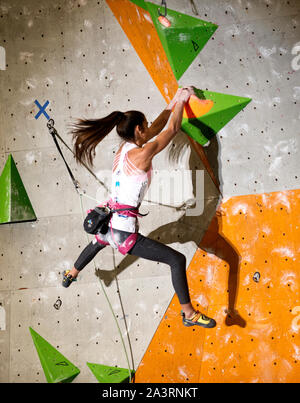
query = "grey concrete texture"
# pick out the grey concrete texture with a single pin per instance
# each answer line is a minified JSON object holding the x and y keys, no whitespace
{"x":75,"y":54}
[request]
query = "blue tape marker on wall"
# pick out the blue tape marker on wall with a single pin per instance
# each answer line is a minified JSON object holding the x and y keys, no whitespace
{"x":42,"y":110}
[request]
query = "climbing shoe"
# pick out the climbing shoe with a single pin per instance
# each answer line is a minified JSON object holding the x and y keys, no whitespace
{"x":198,"y":319}
{"x":67,"y":279}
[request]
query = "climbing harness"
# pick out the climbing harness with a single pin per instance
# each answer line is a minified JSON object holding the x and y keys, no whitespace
{"x":98,"y":219}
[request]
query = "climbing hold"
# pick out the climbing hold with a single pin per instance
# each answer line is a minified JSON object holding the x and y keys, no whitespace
{"x":15,"y":205}
{"x":208,"y":112}
{"x":185,"y":37}
{"x":256,"y":277}
{"x":197,"y":107}
{"x":56,"y":367}
{"x":183,"y":40}
{"x":164,"y":21}
{"x":106,"y":374}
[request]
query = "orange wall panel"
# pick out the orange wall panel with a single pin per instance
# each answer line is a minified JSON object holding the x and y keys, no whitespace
{"x":258,"y":339}
{"x":139,"y":28}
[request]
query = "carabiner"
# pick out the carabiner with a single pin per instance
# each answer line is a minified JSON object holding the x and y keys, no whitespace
{"x":51,"y":128}
{"x":164,"y":4}
{"x":58,"y":304}
{"x":50,"y":123}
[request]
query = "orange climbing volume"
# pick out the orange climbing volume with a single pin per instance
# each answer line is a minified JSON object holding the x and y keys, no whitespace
{"x":246,"y":270}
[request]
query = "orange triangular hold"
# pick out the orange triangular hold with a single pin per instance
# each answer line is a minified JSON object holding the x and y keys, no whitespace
{"x":196,"y":107}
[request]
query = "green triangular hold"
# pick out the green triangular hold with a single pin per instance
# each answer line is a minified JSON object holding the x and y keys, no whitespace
{"x":56,"y":367}
{"x":225,"y":107}
{"x":15,"y":205}
{"x":106,"y":374}
{"x":184,"y":39}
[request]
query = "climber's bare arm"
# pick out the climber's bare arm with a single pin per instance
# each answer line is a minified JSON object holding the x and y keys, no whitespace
{"x":161,"y":121}
{"x":163,"y":139}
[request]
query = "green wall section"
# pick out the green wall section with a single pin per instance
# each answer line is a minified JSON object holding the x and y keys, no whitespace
{"x":140,"y":3}
{"x":56,"y":367}
{"x":106,"y":374}
{"x":15,"y":205}
{"x":225,"y":108}
{"x":184,"y":40}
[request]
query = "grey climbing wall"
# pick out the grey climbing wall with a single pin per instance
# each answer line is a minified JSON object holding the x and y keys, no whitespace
{"x":75,"y":55}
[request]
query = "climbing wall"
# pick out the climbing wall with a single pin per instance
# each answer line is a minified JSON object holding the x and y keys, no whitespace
{"x":86,"y":58}
{"x":64,"y":62}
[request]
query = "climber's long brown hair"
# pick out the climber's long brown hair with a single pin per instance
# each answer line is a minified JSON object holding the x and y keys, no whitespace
{"x":87,"y":133}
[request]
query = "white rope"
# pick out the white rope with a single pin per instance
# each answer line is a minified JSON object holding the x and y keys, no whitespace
{"x":107,"y":299}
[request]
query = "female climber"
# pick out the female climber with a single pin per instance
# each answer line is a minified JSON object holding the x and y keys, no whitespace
{"x":131,"y":177}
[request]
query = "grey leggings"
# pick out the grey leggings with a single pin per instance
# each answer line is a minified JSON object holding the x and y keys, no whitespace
{"x":148,"y":249}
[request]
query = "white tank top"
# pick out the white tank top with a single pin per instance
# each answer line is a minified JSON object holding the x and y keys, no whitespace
{"x":129,"y":185}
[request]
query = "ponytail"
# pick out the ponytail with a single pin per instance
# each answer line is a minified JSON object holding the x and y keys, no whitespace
{"x":87,"y":133}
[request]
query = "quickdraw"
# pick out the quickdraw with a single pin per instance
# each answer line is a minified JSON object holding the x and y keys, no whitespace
{"x":54,"y":133}
{"x":55,"y":136}
{"x":194,"y":8}
{"x":163,"y":4}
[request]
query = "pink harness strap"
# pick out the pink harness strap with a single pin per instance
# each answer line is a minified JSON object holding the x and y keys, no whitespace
{"x":131,"y":239}
{"x":127,"y":244}
{"x":130,"y":213}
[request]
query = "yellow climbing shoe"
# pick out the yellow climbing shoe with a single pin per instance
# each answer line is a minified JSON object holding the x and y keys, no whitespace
{"x":67,"y":279}
{"x":198,"y":319}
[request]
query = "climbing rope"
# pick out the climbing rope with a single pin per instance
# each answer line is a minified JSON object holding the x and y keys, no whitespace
{"x":108,"y":301}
